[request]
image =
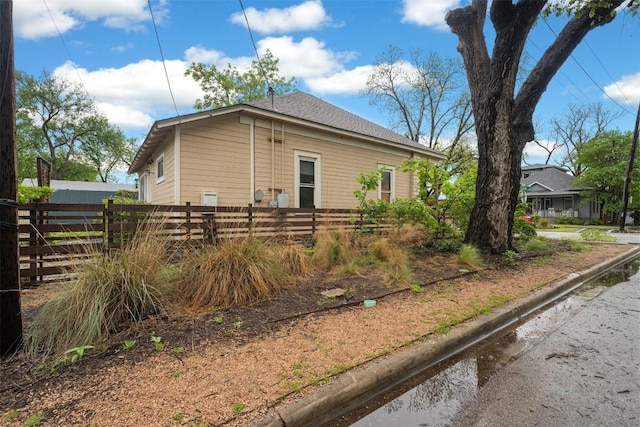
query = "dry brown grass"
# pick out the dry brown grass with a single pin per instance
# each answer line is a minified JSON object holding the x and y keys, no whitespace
{"x":238,"y":271}
{"x":109,"y":291}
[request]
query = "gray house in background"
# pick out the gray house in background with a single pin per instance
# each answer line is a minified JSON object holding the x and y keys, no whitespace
{"x":81,"y":191}
{"x":550,"y":193}
{"x":72,"y":192}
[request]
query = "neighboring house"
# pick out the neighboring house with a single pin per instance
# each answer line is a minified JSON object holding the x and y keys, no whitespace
{"x":72,"y":192}
{"x":550,"y":193}
{"x":80,"y":191}
{"x":294,"y":150}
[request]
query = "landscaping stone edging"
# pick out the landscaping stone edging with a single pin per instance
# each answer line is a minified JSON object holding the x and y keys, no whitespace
{"x":353,"y":388}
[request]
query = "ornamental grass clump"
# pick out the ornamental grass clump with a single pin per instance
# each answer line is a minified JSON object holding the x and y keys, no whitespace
{"x":333,"y":247}
{"x":109,"y":291}
{"x":238,"y":271}
{"x":470,"y":256}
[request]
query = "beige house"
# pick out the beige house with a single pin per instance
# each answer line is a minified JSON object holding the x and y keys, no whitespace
{"x":293,"y":150}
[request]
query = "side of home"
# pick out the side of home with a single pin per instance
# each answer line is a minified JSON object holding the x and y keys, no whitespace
{"x":295,"y":151}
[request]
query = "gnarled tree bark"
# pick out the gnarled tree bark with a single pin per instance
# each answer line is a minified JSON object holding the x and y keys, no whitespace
{"x":504,"y":121}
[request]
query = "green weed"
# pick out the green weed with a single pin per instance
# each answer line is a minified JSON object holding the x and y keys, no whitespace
{"x":128,"y":344}
{"x":33,"y":420}
{"x":157,"y":342}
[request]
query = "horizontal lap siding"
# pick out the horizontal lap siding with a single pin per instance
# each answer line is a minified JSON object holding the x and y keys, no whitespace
{"x":215,"y":157}
{"x":341,"y":166}
{"x":161,"y":193}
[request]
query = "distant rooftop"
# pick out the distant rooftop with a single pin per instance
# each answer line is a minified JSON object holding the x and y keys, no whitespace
{"x":58,"y":184}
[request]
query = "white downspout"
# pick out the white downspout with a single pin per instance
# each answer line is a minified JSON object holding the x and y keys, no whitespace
{"x":176,"y":167}
{"x":273,"y":162}
{"x":282,"y":186}
{"x":252,"y":160}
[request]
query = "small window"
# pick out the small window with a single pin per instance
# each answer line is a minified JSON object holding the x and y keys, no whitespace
{"x":386,"y":188}
{"x":143,"y":187}
{"x":160,"y":168}
{"x":307,"y":179}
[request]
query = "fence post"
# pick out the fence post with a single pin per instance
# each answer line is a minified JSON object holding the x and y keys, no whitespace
{"x":33,"y":242}
{"x":188,"y":219}
{"x":250,"y":212}
{"x":109,"y":224}
{"x":313,"y":222}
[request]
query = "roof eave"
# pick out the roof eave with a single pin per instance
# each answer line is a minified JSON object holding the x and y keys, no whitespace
{"x":161,"y":127}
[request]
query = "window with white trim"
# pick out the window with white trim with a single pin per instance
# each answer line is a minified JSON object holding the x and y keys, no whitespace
{"x":143,"y":187}
{"x":160,"y":168}
{"x":386,"y":189}
{"x":307,"y":179}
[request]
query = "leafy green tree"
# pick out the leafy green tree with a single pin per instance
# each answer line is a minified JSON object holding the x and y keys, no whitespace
{"x":504,"y":116}
{"x":58,"y":121}
{"x":606,"y":159}
{"x":105,"y":149}
{"x":425,"y":97}
{"x":229,"y":86}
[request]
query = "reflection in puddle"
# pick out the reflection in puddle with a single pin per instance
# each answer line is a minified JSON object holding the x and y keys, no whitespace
{"x":427,"y":404}
{"x":441,"y":391}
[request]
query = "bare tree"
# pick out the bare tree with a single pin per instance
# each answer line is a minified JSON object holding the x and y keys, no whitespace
{"x":425,"y":96}
{"x":576,"y":126}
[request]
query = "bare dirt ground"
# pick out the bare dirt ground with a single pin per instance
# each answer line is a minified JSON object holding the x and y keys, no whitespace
{"x":229,"y":368}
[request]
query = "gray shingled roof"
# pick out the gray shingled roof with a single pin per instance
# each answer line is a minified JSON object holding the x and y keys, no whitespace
{"x":307,"y":107}
{"x":298,"y":106}
{"x":553,"y":178}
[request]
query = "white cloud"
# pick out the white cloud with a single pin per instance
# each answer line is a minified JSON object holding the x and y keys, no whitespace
{"x":428,"y":13}
{"x":626,"y":90}
{"x":309,"y":15}
{"x":131,"y":95}
{"x":34,"y":19}
{"x":308,"y":58}
{"x":122,"y":48}
{"x":341,"y":83}
{"x":534,"y":153}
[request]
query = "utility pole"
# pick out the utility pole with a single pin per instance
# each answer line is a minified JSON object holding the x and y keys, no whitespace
{"x":10,"y":314}
{"x":627,"y":181}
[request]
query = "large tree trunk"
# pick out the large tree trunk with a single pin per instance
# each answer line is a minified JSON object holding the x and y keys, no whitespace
{"x":504,"y":122}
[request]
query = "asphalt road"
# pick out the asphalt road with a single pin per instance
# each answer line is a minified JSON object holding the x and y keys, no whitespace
{"x":633,"y":238}
{"x":586,"y":373}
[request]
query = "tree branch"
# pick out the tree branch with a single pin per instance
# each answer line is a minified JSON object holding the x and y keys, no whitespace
{"x":551,"y":61}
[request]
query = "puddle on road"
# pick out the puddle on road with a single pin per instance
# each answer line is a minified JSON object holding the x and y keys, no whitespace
{"x":434,"y":397}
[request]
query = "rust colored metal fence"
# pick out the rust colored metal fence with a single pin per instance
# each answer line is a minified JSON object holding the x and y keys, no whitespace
{"x":55,"y":236}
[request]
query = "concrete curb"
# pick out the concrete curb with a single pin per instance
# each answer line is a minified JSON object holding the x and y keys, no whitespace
{"x":353,"y":388}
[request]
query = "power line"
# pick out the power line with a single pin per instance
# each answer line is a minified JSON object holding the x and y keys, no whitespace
{"x":164,"y":65}
{"x":607,"y":71}
{"x":55,"y":24}
{"x":255,"y":49}
{"x":588,"y":75}
{"x":571,"y":82}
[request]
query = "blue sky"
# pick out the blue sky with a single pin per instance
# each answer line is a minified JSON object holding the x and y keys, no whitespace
{"x":110,"y":47}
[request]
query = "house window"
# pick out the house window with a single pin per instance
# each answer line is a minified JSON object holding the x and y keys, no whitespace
{"x":143,"y":187}
{"x":160,"y":168}
{"x":386,"y":188}
{"x":568,"y":203}
{"x":307,"y":177}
